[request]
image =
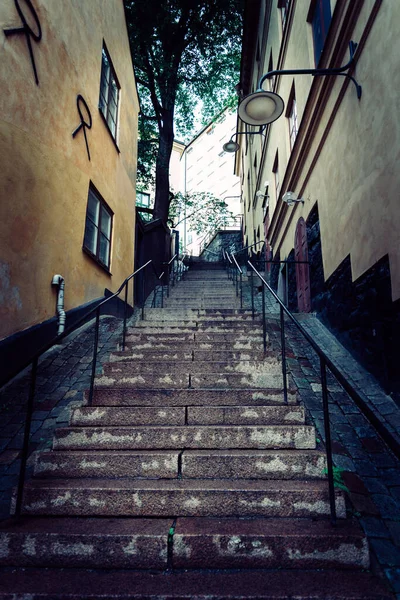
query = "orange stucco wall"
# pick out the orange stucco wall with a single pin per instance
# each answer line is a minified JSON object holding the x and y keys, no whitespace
{"x":45,"y":173}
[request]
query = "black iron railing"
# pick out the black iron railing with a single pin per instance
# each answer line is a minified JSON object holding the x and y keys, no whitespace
{"x":35,"y":360}
{"x":235,"y":274}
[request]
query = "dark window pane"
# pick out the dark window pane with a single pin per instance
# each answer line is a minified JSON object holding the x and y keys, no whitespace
{"x":104,"y":252}
{"x":105,"y":222}
{"x":93,"y":208}
{"x":90,"y":240}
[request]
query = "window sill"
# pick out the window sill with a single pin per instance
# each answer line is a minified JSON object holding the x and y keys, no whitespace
{"x":96,"y":260}
{"x":109,"y":130}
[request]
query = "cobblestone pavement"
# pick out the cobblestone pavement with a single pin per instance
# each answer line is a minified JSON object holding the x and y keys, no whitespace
{"x":63,"y":374}
{"x":367,"y":467}
{"x":364,"y":463}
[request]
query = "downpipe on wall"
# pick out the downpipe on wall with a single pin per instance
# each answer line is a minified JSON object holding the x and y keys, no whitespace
{"x":59,"y":280}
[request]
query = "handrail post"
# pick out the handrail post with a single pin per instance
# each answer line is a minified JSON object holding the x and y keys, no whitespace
{"x":283,"y":354}
{"x":162,"y":294}
{"x":328,"y":442}
{"x":252,"y":294}
{"x":263,"y":318}
{"x":241,"y":291}
{"x":27,"y":433}
{"x":125,"y":311}
{"x":94,"y":360}
{"x":143,"y":294}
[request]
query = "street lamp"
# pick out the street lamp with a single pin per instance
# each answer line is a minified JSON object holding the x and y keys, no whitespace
{"x":233,"y":146}
{"x":263,"y":107}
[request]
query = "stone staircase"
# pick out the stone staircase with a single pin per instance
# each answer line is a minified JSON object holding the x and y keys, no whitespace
{"x":188,"y":477}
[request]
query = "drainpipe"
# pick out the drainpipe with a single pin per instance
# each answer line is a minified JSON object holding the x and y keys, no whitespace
{"x":59,"y":280}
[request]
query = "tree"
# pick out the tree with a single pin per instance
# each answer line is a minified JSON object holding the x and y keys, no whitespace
{"x":182,"y":50}
{"x":202,"y":211}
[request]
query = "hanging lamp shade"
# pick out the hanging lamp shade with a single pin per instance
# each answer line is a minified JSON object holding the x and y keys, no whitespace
{"x":261,"y":108}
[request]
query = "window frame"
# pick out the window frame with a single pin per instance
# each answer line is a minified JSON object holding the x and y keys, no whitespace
{"x":107,"y":113}
{"x":275,"y":170}
{"x":319,"y":8}
{"x":293,"y":118}
{"x":102,"y":204}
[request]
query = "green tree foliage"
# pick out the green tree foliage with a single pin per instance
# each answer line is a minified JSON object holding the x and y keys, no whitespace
{"x":183,"y":50}
{"x":202,"y":210}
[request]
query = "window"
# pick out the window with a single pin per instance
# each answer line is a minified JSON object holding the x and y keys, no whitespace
{"x":275,"y":170}
{"x":109,"y":93}
{"x":271,"y":68}
{"x":143,"y":199}
{"x":97,"y":240}
{"x":291,"y":114}
{"x":320,"y":18}
{"x":284,"y":6}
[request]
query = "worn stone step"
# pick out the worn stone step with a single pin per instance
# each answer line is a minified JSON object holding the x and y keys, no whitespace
{"x":128,"y":416}
{"x":168,"y":344}
{"x":79,"y":584}
{"x":197,"y":543}
{"x":166,"y":314}
{"x":166,"y":354}
{"x":268,"y":544}
{"x":128,"y":396}
{"x":203,"y":323}
{"x":191,"y":436}
{"x":255,"y":379}
{"x":253,"y":464}
{"x":202,"y":415}
{"x":125,"y":364}
{"x":173,"y":497}
{"x":113,"y":464}
{"x":91,"y":543}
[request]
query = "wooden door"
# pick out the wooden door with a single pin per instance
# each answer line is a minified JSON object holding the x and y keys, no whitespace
{"x":302,"y":269}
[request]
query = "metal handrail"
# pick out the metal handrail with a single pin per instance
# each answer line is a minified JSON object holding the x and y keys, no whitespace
{"x":324,"y":362}
{"x":34,"y":362}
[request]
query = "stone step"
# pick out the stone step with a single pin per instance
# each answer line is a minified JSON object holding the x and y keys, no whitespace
{"x":95,"y":416}
{"x":190,"y":436}
{"x":124,"y":364}
{"x":167,"y":314}
{"x":189,"y":464}
{"x":108,"y":464}
{"x":268,"y":544}
{"x":197,"y":543}
{"x":91,"y":543}
{"x":163,"y":354}
{"x":123,"y":378}
{"x":253,"y":464}
{"x":165,"y":343}
{"x":80,"y":584}
{"x":173,"y":497}
{"x":127,"y":396}
{"x":197,"y":325}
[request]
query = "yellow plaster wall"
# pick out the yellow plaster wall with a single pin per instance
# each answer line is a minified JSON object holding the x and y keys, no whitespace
{"x":45,"y":173}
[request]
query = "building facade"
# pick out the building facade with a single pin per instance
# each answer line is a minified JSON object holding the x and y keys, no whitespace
{"x":68,"y":139}
{"x":206,"y":167}
{"x":337,"y":154}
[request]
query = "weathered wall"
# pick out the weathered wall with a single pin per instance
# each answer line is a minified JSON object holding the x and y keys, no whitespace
{"x":45,"y":173}
{"x":345,"y":159}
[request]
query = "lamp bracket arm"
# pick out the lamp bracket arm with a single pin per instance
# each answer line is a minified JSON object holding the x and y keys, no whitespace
{"x":317,"y":72}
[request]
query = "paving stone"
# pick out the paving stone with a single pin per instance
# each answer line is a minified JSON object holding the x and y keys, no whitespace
{"x":388,"y":554}
{"x":375,"y":527}
{"x":387,"y":505}
{"x":364,"y":467}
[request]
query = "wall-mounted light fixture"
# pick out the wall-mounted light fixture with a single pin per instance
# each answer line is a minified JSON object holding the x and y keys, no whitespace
{"x":263,"y":107}
{"x":290,"y":198}
{"x":233,"y":146}
{"x":259,"y":194}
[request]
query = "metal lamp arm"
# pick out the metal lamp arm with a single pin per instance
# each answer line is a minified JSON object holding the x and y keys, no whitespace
{"x":318,"y":72}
